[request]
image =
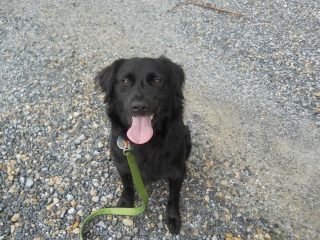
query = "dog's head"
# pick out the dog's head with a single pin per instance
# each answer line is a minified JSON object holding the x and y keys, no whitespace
{"x":142,"y":94}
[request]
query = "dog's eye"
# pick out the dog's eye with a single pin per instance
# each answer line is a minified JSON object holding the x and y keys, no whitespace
{"x":125,"y":81}
{"x":157,"y":81}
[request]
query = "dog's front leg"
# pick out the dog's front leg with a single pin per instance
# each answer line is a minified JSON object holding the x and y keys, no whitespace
{"x":127,"y":196}
{"x":173,"y":212}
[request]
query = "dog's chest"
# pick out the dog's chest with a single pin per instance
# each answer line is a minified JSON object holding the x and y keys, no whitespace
{"x":153,"y":165}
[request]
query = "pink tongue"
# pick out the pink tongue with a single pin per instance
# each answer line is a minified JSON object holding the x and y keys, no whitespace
{"x":141,"y":130}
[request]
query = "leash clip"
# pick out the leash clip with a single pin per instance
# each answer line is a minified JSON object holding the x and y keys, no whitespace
{"x":124,"y":145}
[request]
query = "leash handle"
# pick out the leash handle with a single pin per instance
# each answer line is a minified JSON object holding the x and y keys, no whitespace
{"x":124,"y":211}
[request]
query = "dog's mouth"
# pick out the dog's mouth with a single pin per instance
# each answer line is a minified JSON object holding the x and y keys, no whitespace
{"x":141,"y":130}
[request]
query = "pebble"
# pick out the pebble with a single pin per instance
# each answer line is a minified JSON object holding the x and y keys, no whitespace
{"x":128,"y":222}
{"x":50,"y":206}
{"x":102,"y":224}
{"x":73,"y":203}
{"x":71,"y":211}
{"x":95,"y":199}
{"x":16,"y":217}
{"x":29,"y":183}
{"x":196,"y":232}
{"x":100,"y":145}
{"x":12,"y":229}
{"x":80,"y":213}
{"x":62,"y":213}
{"x":93,"y":192}
{"x":95,"y":182}
{"x":69,"y":197}
{"x":267,"y":236}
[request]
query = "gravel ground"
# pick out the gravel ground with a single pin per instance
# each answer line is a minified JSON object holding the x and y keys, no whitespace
{"x":252,"y":103}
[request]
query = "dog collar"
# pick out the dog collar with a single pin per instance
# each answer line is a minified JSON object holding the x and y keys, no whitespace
{"x":124,"y":144}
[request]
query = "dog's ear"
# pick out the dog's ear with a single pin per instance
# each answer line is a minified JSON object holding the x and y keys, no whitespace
{"x":176,"y":74}
{"x":106,"y":77}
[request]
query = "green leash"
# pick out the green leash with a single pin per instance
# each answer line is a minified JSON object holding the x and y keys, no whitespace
{"x":139,"y":184}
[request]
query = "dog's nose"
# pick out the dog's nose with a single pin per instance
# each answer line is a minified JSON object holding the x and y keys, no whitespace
{"x":139,"y":107}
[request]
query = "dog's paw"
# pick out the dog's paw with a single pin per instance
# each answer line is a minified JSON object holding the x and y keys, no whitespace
{"x":125,"y":203}
{"x":173,"y":220}
{"x":174,"y":225}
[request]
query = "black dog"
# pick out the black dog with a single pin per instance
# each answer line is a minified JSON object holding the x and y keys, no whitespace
{"x":145,"y":105}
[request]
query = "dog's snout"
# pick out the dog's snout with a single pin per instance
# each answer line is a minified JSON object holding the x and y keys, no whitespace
{"x":139,"y":107}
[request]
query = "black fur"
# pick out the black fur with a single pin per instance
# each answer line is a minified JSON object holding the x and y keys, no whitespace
{"x":155,"y":84}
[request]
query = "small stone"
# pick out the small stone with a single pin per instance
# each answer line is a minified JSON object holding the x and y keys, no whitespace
{"x":100,"y":145}
{"x":108,"y":153}
{"x":207,"y":198}
{"x":9,"y":170}
{"x":80,"y":213}
{"x":316,"y":94}
{"x":82,"y":137}
{"x":16,"y":217}
{"x":13,"y":189}
{"x":95,"y":199}
{"x":53,"y":180}
{"x":76,"y":224}
{"x":196,"y":232}
{"x":69,"y":197}
{"x":29,"y":183}
{"x":93,"y":192}
{"x":73,"y":203}
{"x":69,"y":229}
{"x":62,"y":214}
{"x":50,"y":206}
{"x":102,"y":224}
{"x":267,"y":236}
{"x":114,"y":221}
{"x":128,"y":222}
{"x":109,"y":196}
{"x":13,"y":228}
{"x":227,"y":164}
{"x":249,"y":228}
{"x":10,"y":178}
{"x":95,"y":182}
{"x":227,"y":217}
{"x":71,"y":211}
{"x":229,"y":236}
{"x":205,"y":224}
{"x":224,"y":182}
{"x":241,"y":191}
